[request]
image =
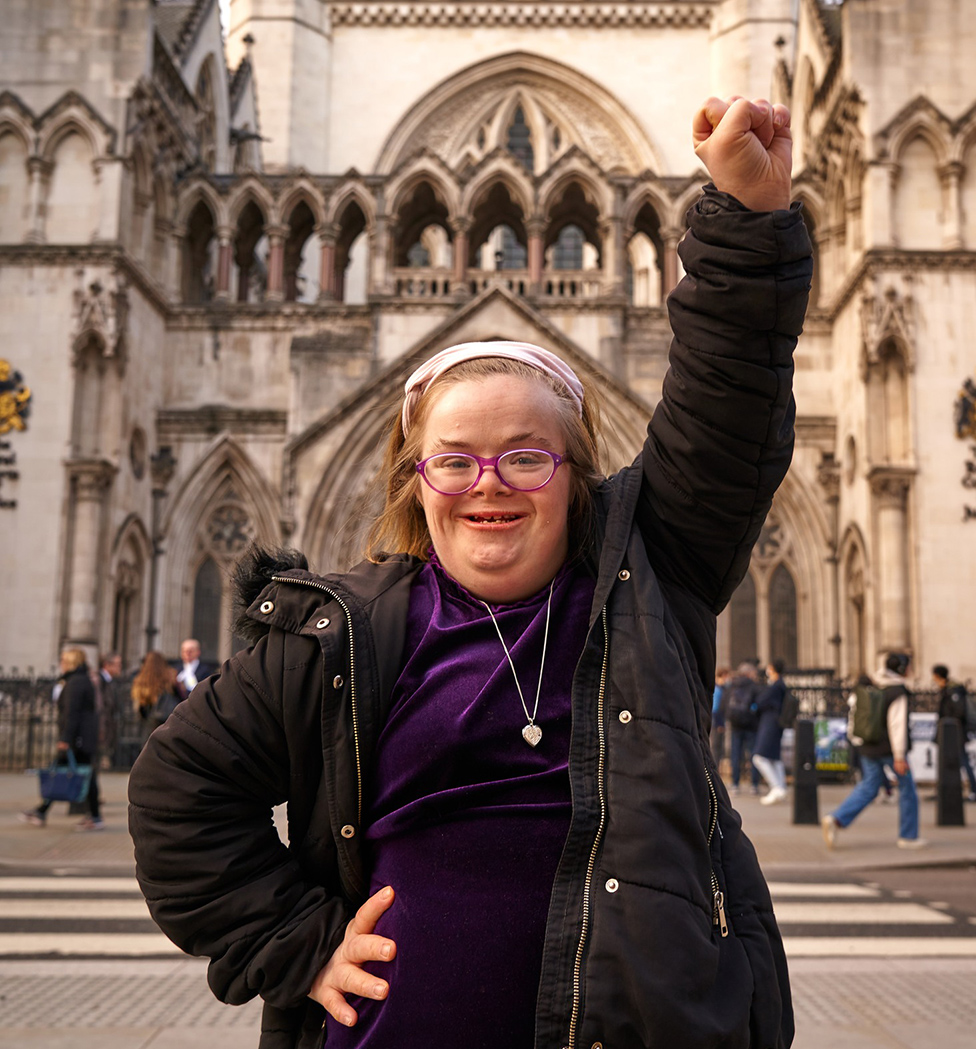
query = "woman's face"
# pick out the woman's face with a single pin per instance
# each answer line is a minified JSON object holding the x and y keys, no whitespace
{"x":500,"y":544}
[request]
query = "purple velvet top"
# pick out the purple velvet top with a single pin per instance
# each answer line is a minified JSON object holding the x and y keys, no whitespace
{"x":467,"y":821}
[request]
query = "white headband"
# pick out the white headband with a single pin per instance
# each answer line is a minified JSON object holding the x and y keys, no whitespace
{"x":534,"y":356}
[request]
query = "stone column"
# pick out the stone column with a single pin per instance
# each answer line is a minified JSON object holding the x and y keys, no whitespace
{"x":40,"y":173}
{"x":327,"y":237}
{"x":670,"y":235}
{"x":89,"y":481}
{"x":276,"y":264}
{"x":459,"y":234}
{"x":225,"y":247}
{"x":176,"y":288}
{"x":614,"y":261}
{"x":889,"y":488}
{"x":379,"y":257}
{"x":535,"y":230}
{"x":828,"y":474}
{"x":951,"y":175}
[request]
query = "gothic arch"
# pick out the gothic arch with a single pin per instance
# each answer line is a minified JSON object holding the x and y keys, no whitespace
{"x":251,"y":190}
{"x":71,"y":122}
{"x":574,"y":167}
{"x":223,"y":477}
{"x":126,"y":610}
{"x":348,"y":192}
{"x":650,"y":194}
{"x":919,"y":120}
{"x":303,"y":191}
{"x":444,"y":119}
{"x":856,"y":600}
{"x":503,"y":168}
{"x":420,"y":169}
{"x":194,"y":193}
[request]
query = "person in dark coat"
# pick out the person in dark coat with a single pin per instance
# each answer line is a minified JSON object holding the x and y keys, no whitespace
{"x":514,"y":833}
{"x":77,"y":732}
{"x":952,"y":704}
{"x":769,"y":734}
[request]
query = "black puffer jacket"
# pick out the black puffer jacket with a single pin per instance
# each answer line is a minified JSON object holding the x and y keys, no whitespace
{"x":77,"y":716}
{"x":660,"y":931}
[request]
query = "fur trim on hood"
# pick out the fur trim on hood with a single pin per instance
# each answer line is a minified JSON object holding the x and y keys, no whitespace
{"x":252,"y":574}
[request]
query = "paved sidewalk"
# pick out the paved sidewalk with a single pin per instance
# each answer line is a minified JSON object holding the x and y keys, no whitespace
{"x":840,"y":1003}
{"x":868,"y":843}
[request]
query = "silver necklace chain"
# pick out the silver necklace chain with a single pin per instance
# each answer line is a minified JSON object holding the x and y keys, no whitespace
{"x":531,"y":733}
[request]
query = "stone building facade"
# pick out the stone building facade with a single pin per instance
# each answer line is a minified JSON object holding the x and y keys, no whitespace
{"x":221,"y":254}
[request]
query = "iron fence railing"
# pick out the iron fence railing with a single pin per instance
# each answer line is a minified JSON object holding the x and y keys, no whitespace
{"x":29,"y":724}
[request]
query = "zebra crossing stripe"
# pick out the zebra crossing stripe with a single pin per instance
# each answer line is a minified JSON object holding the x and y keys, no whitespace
{"x":879,"y":913}
{"x":72,"y":944}
{"x":879,"y":947}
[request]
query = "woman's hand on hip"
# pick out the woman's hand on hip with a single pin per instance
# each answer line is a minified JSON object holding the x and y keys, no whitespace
{"x":344,"y":974}
{"x":747,"y":147}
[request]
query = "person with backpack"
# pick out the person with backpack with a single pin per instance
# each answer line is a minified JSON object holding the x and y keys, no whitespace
{"x":953,"y":704}
{"x":879,"y":726}
{"x":766,"y":756}
{"x":742,"y":720}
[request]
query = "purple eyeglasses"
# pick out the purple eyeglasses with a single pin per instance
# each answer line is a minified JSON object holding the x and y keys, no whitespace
{"x":524,"y":469}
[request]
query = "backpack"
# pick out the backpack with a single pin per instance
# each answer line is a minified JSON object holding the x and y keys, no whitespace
{"x":789,"y":711}
{"x":869,"y":714}
{"x":740,"y":709}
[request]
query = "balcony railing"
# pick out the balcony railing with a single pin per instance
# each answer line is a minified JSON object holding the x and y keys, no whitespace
{"x":423,"y":283}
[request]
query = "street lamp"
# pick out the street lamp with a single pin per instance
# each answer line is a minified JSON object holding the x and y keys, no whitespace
{"x":162,"y":466}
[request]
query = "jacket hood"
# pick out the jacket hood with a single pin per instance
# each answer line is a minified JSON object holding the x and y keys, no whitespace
{"x":253,"y":573}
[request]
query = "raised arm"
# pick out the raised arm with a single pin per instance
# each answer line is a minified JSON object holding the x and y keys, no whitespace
{"x":721,"y":439}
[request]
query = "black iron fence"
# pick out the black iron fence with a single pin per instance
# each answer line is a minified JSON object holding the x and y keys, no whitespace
{"x":29,"y":724}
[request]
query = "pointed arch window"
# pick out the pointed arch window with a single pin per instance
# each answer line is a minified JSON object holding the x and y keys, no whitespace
{"x":208,"y":595}
{"x":520,"y":140}
{"x":782,"y":616}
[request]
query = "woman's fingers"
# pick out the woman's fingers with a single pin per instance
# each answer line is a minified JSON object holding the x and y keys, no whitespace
{"x":344,"y":973}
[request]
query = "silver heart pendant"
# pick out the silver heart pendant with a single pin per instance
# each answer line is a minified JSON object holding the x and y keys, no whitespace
{"x":532,"y":734}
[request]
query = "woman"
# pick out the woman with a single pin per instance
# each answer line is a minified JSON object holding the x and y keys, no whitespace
{"x":155,"y":692}
{"x":505,"y":824}
{"x":78,"y":733}
{"x":769,"y":734}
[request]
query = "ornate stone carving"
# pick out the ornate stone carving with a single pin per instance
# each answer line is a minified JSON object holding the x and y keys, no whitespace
{"x":103,"y":312}
{"x":14,"y":399}
{"x":885,"y":316}
{"x":890,"y":485}
{"x":229,"y":529}
{"x":571,"y":13}
{"x":774,"y":541}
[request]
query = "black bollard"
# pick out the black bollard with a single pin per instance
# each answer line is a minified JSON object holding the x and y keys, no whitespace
{"x":948,"y":797}
{"x":805,"y":806}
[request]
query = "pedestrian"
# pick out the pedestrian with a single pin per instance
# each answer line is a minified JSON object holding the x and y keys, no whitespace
{"x":502,"y":834}
{"x":769,"y":734}
{"x":155,"y":692}
{"x":952,"y":704}
{"x":108,"y":701}
{"x":742,"y":718}
{"x":888,"y":750}
{"x":192,"y":669}
{"x":77,"y":733}
{"x":717,"y":735}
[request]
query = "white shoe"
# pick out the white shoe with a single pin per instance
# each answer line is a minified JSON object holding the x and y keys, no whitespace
{"x":911,"y":843}
{"x":829,"y":827}
{"x":774,"y":797}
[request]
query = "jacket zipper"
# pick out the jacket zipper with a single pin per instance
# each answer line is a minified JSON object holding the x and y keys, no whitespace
{"x":718,"y":897}
{"x":352,"y":682}
{"x":591,"y":866}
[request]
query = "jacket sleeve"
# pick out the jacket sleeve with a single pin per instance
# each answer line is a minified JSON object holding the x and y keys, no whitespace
{"x":218,"y":880}
{"x":898,"y":727}
{"x":721,"y":439}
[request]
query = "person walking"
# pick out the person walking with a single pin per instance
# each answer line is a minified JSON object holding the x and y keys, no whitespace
{"x":889,"y":750}
{"x":155,"y":692}
{"x":505,"y":825}
{"x":718,"y":732}
{"x":769,"y":734}
{"x":952,"y":704}
{"x":741,"y":717}
{"x":77,"y":732}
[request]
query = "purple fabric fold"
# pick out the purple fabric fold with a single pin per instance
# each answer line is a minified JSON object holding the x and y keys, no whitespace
{"x":466,"y":820}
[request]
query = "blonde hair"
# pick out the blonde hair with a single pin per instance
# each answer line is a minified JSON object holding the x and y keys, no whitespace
{"x":401,"y":528}
{"x":155,"y":677}
{"x":72,"y":658}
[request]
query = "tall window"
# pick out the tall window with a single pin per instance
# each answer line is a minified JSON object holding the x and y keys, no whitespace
{"x":208,"y":592}
{"x":742,"y":609}
{"x":782,"y":616}
{"x":520,"y":141}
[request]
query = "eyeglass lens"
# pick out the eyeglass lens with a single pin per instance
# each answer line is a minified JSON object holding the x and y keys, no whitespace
{"x":523,"y":469}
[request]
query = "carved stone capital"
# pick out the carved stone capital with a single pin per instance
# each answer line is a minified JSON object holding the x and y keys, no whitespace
{"x":890,"y":486}
{"x":91,"y":477}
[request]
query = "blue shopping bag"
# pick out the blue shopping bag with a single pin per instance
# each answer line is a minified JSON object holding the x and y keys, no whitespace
{"x":65,"y":779}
